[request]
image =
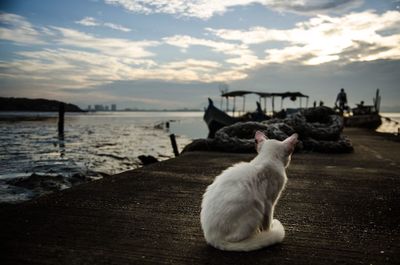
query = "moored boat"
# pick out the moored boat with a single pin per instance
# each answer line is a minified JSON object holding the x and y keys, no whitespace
{"x":216,"y":118}
{"x":365,"y":116}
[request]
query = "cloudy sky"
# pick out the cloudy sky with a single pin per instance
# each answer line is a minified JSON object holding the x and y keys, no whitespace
{"x":176,"y":53}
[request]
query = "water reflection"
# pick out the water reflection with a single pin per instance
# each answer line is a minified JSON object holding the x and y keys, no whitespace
{"x":61,"y":144}
{"x":91,"y":146}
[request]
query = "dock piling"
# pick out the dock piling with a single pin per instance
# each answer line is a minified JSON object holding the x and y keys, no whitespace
{"x":61,"y":112}
{"x":174,"y":145}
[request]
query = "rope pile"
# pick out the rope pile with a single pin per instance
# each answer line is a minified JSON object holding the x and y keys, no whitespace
{"x":320,"y":130}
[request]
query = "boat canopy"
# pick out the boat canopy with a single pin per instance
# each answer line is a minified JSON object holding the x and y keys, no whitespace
{"x":237,"y":93}
{"x":241,"y":93}
{"x":263,"y":95}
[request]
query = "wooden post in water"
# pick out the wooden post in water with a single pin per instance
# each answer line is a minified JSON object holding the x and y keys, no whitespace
{"x":244,"y":104}
{"x":174,"y":145}
{"x":61,"y":112}
{"x":234,"y":106}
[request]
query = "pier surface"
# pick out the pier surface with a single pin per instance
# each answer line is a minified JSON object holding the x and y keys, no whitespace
{"x":336,"y":209}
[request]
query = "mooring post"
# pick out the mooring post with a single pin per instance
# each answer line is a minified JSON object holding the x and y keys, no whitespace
{"x":61,"y":112}
{"x":173,"y":143}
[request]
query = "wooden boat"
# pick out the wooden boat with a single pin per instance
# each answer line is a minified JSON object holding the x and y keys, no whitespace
{"x":369,"y":121}
{"x":216,"y":118}
{"x":365,"y":116}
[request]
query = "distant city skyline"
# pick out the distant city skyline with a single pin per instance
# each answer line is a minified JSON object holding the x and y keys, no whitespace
{"x":174,"y":54}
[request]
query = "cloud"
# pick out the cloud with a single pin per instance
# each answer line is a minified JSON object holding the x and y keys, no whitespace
{"x":67,"y":68}
{"x":92,"y":22}
{"x":238,"y":54}
{"x":59,"y":68}
{"x":312,"y":7}
{"x":116,"y":27}
{"x":84,"y":60}
{"x":75,"y":59}
{"x":205,"y":9}
{"x":17,"y":29}
{"x":88,"y":21}
{"x":185,"y":41}
{"x":201,"y":65}
{"x":111,"y":46}
{"x":254,"y":35}
{"x":325,"y":38}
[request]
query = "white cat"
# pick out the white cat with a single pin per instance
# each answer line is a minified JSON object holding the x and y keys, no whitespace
{"x":238,"y":207}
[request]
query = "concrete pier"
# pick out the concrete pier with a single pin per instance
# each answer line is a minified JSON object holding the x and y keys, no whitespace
{"x":336,"y":209}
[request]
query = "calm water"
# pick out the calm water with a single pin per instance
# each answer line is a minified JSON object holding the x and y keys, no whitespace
{"x":94,"y":144}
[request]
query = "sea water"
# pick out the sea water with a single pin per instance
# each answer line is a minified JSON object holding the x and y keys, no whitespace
{"x":34,"y":159}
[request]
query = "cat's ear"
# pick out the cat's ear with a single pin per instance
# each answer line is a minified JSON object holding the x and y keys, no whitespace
{"x":291,"y":142}
{"x":259,"y":138}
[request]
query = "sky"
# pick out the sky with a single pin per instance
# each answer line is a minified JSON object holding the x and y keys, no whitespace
{"x":168,"y":54}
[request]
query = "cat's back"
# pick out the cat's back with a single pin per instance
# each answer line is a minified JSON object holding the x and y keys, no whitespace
{"x":227,"y":198}
{"x":230,"y":183}
{"x":237,"y":173}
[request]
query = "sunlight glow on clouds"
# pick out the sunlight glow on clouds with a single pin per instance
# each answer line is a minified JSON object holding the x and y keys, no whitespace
{"x":68,"y":58}
{"x":323,"y":38}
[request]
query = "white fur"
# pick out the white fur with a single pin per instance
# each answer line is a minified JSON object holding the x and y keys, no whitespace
{"x":238,"y":207}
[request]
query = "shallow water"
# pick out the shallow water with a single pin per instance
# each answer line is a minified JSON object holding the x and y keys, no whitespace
{"x":94,"y":145}
{"x":390,"y":122}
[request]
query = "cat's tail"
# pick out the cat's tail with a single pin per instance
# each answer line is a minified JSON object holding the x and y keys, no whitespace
{"x":260,"y":240}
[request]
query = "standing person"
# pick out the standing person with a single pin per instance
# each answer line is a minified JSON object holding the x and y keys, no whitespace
{"x":342,"y":99}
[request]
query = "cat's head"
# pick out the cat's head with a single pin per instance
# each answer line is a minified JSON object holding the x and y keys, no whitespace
{"x":281,"y":150}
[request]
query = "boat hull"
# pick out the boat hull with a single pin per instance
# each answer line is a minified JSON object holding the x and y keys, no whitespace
{"x":216,"y":119}
{"x":370,"y":121}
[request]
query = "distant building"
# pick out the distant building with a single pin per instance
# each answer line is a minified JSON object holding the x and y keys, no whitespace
{"x":89,"y":107}
{"x":113,"y":107}
{"x":98,"y":107}
{"x":106,"y":108}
